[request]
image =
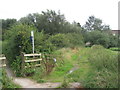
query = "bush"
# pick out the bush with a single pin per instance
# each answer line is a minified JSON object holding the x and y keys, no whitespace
{"x":104,"y":69}
{"x":115,"y":48}
{"x":97,"y":47}
{"x":58,"y":40}
{"x":75,"y":39}
{"x":42,"y":44}
{"x":67,"y":40}
{"x":17,"y":40}
{"x":7,"y":82}
{"x":101,"y":38}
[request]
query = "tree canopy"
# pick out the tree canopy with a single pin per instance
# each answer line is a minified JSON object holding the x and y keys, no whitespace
{"x":94,"y":23}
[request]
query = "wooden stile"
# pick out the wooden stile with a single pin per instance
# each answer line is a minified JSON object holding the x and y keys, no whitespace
{"x":24,"y":60}
{"x":2,"y":60}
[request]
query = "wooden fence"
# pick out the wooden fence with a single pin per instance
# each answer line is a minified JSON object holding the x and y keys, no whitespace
{"x":34,"y":60}
{"x":2,"y":60}
{"x":30,"y":58}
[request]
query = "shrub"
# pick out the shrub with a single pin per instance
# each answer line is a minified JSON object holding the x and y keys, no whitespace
{"x":67,"y":40}
{"x":97,"y":47}
{"x":7,"y":82}
{"x":101,"y":38}
{"x":115,"y":48}
{"x":17,"y":40}
{"x":58,"y":40}
{"x":104,"y":69}
{"x":75,"y":39}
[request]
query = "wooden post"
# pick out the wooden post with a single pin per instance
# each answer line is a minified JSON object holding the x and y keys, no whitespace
{"x":23,"y":63}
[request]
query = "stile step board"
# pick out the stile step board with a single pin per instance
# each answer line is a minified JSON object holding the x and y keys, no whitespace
{"x":32,"y":54}
{"x":2,"y":58}
{"x":33,"y":66}
{"x":4,"y":65}
{"x":33,"y":60}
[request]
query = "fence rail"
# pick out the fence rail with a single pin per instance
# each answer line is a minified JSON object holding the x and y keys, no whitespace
{"x":26,"y":59}
{"x":32,"y":54}
{"x":2,"y":60}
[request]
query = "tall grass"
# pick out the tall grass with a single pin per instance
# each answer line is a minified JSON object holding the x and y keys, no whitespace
{"x":104,"y":69}
{"x":7,"y":82}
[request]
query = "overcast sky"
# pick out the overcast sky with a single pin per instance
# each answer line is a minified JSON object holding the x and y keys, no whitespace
{"x":74,"y":10}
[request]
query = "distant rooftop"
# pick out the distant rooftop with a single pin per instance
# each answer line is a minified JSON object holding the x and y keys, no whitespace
{"x":114,"y":32}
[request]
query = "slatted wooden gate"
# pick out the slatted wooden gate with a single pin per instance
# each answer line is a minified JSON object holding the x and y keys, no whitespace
{"x":2,"y":60}
{"x":29,"y":59}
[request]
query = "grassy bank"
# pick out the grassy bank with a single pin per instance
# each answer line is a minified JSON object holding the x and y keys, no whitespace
{"x":6,"y":82}
{"x":92,"y":67}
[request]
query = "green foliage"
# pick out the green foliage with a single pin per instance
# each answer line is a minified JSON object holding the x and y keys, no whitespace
{"x":101,"y":38}
{"x":97,"y":47}
{"x":16,"y":66}
{"x":114,"y":41}
{"x":17,"y":40}
{"x":7,"y":82}
{"x":67,"y":40}
{"x":115,"y":48}
{"x":39,"y":74}
{"x":94,"y":23}
{"x":6,"y":24}
{"x":52,"y":32}
{"x":104,"y":69}
{"x":75,"y":39}
{"x":65,"y":83}
{"x":58,"y":40}
{"x":68,"y":60}
{"x":41,"y":42}
{"x":41,"y":81}
{"x":0,"y":47}
{"x":51,"y":22}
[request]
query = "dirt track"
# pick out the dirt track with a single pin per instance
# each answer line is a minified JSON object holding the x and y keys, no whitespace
{"x":28,"y":83}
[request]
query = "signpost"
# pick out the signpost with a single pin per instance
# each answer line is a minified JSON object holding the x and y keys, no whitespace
{"x":32,"y":36}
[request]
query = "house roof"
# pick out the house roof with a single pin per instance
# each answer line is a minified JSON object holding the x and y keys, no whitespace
{"x":115,"y":31}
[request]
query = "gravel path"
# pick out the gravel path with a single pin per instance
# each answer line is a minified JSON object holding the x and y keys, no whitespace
{"x":28,"y":83}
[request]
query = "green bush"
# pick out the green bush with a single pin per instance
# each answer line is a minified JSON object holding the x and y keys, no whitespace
{"x":75,"y":39}
{"x":104,"y":69}
{"x":7,"y":82}
{"x":58,"y":40}
{"x":101,"y":38}
{"x":17,"y":40}
{"x":97,"y":47}
{"x":0,"y":47}
{"x":42,"y":44}
{"x":67,"y":40}
{"x":115,"y":48}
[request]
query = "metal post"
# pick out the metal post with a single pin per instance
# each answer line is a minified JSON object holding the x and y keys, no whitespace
{"x":32,"y":35}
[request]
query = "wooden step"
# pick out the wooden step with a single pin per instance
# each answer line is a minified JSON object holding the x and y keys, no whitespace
{"x":33,"y":66}
{"x":32,"y":54}
{"x":2,"y":58}
{"x":33,"y":60}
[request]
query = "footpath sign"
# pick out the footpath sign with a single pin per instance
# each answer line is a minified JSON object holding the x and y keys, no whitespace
{"x":32,"y":40}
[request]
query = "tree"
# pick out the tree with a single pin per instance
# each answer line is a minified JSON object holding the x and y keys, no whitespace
{"x":94,"y":23}
{"x":51,"y":22}
{"x":6,"y":24}
{"x":97,"y":37}
{"x":28,"y":20}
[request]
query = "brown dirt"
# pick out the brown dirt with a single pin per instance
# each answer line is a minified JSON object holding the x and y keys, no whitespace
{"x":28,"y":83}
